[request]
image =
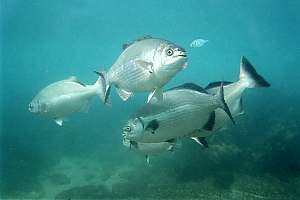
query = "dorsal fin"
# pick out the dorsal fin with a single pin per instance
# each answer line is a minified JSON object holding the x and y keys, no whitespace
{"x":144,"y":37}
{"x":217,"y":84}
{"x":126,"y":45}
{"x":75,"y":80}
{"x":190,"y":86}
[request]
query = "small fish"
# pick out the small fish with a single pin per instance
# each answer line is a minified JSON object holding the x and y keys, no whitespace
{"x":148,"y":149}
{"x":145,"y":65}
{"x":198,"y":43}
{"x":184,"y":109}
{"x":233,"y":91}
{"x":65,"y":97}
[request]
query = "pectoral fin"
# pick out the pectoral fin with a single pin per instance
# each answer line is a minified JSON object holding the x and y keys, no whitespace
{"x":134,"y":144}
{"x":157,"y":93}
{"x":200,"y":140}
{"x":124,"y":94}
{"x":59,"y":121}
{"x":152,"y":126}
{"x":145,"y":65}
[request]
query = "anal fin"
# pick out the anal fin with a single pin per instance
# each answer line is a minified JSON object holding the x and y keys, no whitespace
{"x":124,"y":94}
{"x":85,"y":108}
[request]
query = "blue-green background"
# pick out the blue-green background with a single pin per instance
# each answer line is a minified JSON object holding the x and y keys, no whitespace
{"x":46,"y":41}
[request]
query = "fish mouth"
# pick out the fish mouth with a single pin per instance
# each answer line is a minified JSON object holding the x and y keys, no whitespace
{"x":183,"y":55}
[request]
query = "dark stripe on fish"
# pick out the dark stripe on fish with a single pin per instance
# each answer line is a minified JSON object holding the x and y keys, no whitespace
{"x":190,"y":86}
{"x":210,"y":122}
{"x":141,"y":121}
{"x":217,"y":84}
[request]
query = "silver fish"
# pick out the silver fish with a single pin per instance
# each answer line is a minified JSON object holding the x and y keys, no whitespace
{"x":233,"y":91}
{"x":65,"y":97}
{"x":146,"y":65}
{"x":184,"y":109}
{"x":198,"y":43}
{"x":148,"y":149}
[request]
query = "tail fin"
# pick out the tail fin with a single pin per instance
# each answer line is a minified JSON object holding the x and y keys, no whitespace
{"x":100,"y":88}
{"x":106,"y":87}
{"x":249,"y":75}
{"x":223,"y":104}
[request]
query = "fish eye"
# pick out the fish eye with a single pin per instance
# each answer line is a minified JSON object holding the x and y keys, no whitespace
{"x":170,"y":52}
{"x":127,"y":129}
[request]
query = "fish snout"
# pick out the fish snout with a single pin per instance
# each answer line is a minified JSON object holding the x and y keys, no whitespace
{"x":181,"y":52}
{"x":126,"y":131}
{"x":31,"y":107}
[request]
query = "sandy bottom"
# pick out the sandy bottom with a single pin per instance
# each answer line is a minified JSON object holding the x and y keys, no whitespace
{"x":84,"y":178}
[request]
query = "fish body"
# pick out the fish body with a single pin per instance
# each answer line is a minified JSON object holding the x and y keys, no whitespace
{"x":149,"y":149}
{"x":146,"y":65}
{"x":182,"y":111}
{"x":233,"y":91}
{"x":60,"y":99}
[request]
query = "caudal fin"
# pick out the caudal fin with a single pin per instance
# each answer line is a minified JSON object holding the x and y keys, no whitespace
{"x":249,"y":75}
{"x":100,"y":88}
{"x":222,"y":104}
{"x":104,"y":85}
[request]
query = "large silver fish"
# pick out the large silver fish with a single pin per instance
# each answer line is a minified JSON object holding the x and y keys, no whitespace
{"x":148,"y":149}
{"x":145,"y":65}
{"x":184,"y":109}
{"x":65,"y":97}
{"x":233,"y":91}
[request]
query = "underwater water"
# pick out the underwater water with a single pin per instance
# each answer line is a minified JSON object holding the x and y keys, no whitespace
{"x":46,"y":41}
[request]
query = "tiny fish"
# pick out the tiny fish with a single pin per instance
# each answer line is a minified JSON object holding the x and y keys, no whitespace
{"x":198,"y":43}
{"x":65,"y":97}
{"x":145,"y":65}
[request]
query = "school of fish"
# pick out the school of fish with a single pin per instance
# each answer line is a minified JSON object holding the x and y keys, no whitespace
{"x":169,"y":115}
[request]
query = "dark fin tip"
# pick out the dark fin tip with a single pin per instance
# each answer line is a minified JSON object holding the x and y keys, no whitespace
{"x":250,"y":70}
{"x":99,"y":74}
{"x":225,"y":106}
{"x":210,"y":122}
{"x":203,"y":141}
{"x":107,"y":93}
